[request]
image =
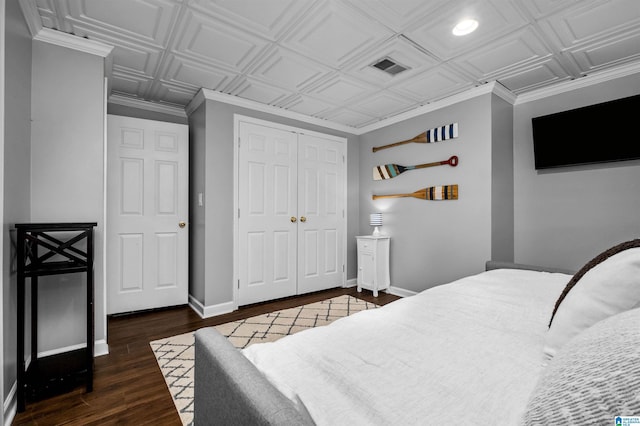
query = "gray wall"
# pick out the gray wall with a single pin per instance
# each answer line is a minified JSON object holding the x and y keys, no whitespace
{"x":434,"y":242}
{"x":17,"y":142}
{"x":502,"y":215}
{"x":197,"y":175}
{"x":67,"y":167}
{"x":566,"y":216}
{"x":218,"y":187}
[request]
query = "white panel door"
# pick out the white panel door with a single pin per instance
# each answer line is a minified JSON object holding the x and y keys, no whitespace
{"x":267,"y":202}
{"x":291,"y":219}
{"x":147,"y":213}
{"x":321,"y":213}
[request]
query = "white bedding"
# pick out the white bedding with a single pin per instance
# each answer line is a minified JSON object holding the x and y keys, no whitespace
{"x":468,"y":352}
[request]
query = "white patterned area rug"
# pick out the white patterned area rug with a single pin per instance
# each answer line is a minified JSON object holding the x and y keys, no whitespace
{"x":175,"y":354}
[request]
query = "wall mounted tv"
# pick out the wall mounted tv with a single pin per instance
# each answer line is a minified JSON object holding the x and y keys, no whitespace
{"x":594,"y":134}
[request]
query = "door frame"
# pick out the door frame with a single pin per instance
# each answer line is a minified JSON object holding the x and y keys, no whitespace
{"x":237,"y":119}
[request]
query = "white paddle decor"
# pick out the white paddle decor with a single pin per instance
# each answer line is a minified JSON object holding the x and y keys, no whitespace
{"x":389,"y":171}
{"x":436,"y":134}
{"x":444,"y":192}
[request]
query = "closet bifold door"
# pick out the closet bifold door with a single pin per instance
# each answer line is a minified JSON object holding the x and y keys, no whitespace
{"x":321,"y":209}
{"x":291,"y":219}
{"x":268,"y":220}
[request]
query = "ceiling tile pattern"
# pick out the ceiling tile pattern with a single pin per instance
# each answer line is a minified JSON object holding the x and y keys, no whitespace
{"x":314,"y":57}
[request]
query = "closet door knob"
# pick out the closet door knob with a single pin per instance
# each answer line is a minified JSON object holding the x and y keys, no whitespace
{"x":293,"y":219}
{"x":182,"y":224}
{"x":303,"y":219}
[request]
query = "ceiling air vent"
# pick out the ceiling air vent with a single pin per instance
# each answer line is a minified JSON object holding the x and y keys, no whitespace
{"x":389,"y":66}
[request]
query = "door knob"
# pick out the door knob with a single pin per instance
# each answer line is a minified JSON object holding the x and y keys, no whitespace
{"x":182,"y":224}
{"x":303,"y":219}
{"x":293,"y":219}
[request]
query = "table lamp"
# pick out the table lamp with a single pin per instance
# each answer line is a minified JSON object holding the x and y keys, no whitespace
{"x":375,"y":219}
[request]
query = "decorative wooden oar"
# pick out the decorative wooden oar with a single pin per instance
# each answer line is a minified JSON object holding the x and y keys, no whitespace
{"x":436,"y":134}
{"x":389,"y":171}
{"x":444,"y":192}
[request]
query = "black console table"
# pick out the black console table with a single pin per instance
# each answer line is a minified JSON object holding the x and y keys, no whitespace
{"x":52,"y":249}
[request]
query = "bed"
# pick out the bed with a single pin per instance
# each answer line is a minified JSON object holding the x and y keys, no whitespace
{"x":477,"y":350}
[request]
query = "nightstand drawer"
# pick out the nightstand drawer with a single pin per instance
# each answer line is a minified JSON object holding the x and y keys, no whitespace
{"x":366,"y":247}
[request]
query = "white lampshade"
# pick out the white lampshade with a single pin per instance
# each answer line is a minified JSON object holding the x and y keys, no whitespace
{"x":375,"y":219}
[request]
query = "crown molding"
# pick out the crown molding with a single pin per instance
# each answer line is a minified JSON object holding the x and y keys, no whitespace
{"x":197,"y":100}
{"x":491,"y":87}
{"x":73,"y":42}
{"x":38,"y":32}
{"x":579,"y":83}
{"x":207,"y":94}
{"x":31,"y":16}
{"x":504,"y":93}
{"x":148,"y":106}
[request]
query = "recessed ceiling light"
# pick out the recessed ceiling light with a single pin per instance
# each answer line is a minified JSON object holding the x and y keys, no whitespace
{"x":465,"y":27}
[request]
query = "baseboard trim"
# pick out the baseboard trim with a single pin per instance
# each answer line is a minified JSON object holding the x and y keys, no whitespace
{"x":61,"y":350}
{"x":353,"y":282}
{"x":210,"y":311}
{"x":100,"y":348}
{"x":397,"y":291}
{"x":10,"y":408}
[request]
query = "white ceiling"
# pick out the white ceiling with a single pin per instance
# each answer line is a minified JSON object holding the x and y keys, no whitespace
{"x":313,"y":57}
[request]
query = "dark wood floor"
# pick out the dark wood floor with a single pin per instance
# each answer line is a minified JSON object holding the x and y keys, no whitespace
{"x":128,"y":386}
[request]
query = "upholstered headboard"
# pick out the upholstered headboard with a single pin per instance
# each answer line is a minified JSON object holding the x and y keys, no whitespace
{"x":229,"y":389}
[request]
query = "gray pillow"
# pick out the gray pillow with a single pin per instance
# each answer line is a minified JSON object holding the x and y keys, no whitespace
{"x":594,"y":378}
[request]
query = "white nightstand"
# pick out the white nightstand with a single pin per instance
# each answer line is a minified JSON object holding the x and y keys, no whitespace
{"x":373,"y":263}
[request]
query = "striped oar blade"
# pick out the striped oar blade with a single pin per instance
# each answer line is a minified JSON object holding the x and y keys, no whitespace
{"x":443,"y":133}
{"x":435,"y":193}
{"x":444,"y":192}
{"x":389,"y":171}
{"x":437,"y":134}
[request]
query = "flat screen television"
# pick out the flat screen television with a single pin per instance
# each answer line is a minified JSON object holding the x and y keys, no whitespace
{"x":594,"y":134}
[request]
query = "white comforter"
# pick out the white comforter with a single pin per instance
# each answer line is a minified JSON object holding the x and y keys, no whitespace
{"x":464,"y":353}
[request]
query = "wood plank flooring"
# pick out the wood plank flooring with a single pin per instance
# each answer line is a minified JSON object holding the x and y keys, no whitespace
{"x":128,"y":386}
